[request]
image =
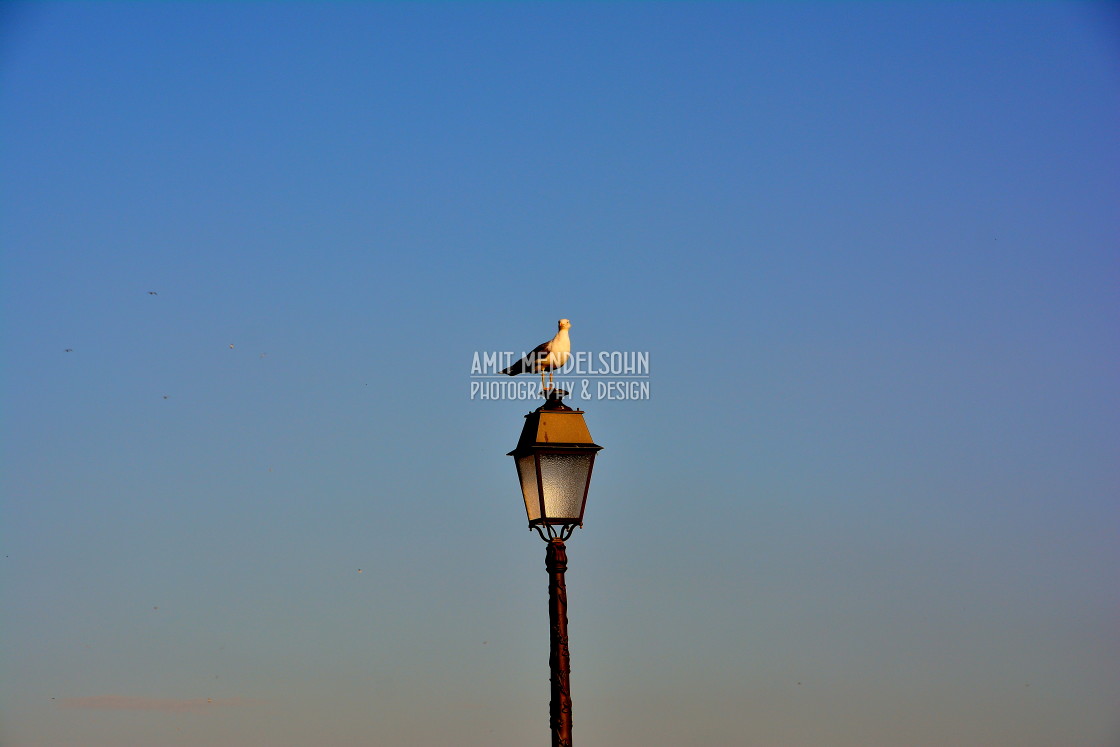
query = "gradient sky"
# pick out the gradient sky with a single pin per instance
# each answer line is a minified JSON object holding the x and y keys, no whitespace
{"x":873,"y":252}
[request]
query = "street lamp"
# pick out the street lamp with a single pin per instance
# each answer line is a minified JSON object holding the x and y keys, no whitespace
{"x":554,"y":457}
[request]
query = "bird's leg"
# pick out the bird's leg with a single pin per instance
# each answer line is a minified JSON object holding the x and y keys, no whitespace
{"x":543,"y":387}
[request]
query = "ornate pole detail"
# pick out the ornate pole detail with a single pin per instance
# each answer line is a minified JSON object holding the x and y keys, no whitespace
{"x":560,"y":709}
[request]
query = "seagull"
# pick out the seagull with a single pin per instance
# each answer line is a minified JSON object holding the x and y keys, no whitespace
{"x":546,"y":356}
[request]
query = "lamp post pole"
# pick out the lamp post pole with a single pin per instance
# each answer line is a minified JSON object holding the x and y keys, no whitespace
{"x":560,"y":708}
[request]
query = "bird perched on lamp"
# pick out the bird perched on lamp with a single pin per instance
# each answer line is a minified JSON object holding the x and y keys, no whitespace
{"x":547,"y":356}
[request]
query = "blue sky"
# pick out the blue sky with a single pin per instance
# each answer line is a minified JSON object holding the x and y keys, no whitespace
{"x":870,"y":248}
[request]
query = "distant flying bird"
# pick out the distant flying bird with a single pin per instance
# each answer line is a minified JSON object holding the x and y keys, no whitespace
{"x":152,"y":293}
{"x":69,"y":350}
{"x":547,"y":356}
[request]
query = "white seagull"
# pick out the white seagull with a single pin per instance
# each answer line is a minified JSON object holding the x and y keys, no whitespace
{"x":546,"y":356}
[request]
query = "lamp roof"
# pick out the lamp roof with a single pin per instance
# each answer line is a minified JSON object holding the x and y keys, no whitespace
{"x":556,"y":428}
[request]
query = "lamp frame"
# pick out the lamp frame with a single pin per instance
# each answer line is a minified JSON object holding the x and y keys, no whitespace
{"x":554,"y":420}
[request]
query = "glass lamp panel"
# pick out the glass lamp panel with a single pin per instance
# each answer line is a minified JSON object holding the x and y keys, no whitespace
{"x":527,"y":471}
{"x":564,"y":479}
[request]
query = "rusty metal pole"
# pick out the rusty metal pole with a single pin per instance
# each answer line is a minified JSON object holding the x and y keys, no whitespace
{"x":560,"y":709}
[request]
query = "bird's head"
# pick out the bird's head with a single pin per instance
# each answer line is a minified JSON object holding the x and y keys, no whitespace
{"x":564,"y":324}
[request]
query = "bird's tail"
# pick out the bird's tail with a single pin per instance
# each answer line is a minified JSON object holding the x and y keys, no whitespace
{"x":515,"y":369}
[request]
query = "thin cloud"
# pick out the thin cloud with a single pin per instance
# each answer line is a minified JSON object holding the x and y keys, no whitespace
{"x":134,"y":703}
